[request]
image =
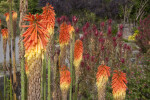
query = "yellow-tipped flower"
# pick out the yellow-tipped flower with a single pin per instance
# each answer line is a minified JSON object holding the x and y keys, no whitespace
{"x":49,"y":16}
{"x":7,"y":16}
{"x":14,"y":16}
{"x":26,"y":69}
{"x":119,"y":82}
{"x":71,"y":30}
{"x":102,"y":75}
{"x":35,"y":38}
{"x":4,"y":33}
{"x":65,"y":79}
{"x":78,"y":52}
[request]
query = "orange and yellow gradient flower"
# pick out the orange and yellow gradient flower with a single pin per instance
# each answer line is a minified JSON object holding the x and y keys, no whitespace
{"x":65,"y":79}
{"x":102,"y":76}
{"x":71,"y":30}
{"x":49,"y":16}
{"x":14,"y":15}
{"x":4,"y":33}
{"x":78,"y":52}
{"x":26,"y":69}
{"x":35,"y":38}
{"x":119,"y":82}
{"x":7,"y":16}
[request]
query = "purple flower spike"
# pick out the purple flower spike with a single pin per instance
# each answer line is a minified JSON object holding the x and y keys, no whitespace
{"x":96,"y":33}
{"x":77,"y":30}
{"x":74,"y":19}
{"x":102,"y":24}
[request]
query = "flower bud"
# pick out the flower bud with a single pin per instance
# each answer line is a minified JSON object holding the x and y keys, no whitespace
{"x":109,"y":22}
{"x":101,"y":34}
{"x":121,"y":26}
{"x":102,"y":24}
{"x":82,"y":38}
{"x":114,"y":39}
{"x":96,"y":33}
{"x":94,"y":27}
{"x":77,"y":30}
{"x":92,"y":58}
{"x":122,"y":60}
{"x":119,"y":34}
{"x":59,"y":20}
{"x":87,"y":25}
{"x":74,"y":19}
{"x":85,"y":33}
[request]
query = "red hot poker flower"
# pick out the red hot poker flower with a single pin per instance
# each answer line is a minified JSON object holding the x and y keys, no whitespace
{"x":78,"y":52}
{"x":119,"y":82}
{"x":49,"y":16}
{"x":64,"y":36}
{"x":65,"y":78}
{"x":102,"y":75}
{"x":4,"y":33}
{"x":35,"y":37}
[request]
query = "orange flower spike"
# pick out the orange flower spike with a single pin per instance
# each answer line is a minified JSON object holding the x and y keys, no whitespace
{"x":35,"y":37}
{"x":102,"y":75}
{"x":4,"y":33}
{"x":49,"y":15}
{"x":7,"y":16}
{"x":119,"y":82}
{"x":65,"y":79}
{"x":78,"y":52}
{"x":64,"y":36}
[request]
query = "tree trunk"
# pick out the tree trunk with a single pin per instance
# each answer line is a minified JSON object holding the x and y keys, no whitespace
{"x":23,"y":10}
{"x":34,"y":80}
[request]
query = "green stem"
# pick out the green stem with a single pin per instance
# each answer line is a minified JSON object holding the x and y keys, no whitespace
{"x":11,"y":97}
{"x":71,"y":56}
{"x":49,"y":79}
{"x":42,"y":82}
{"x":4,"y":86}
{"x":44,"y":77}
{"x":22,"y":77}
{"x":76,"y":90}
